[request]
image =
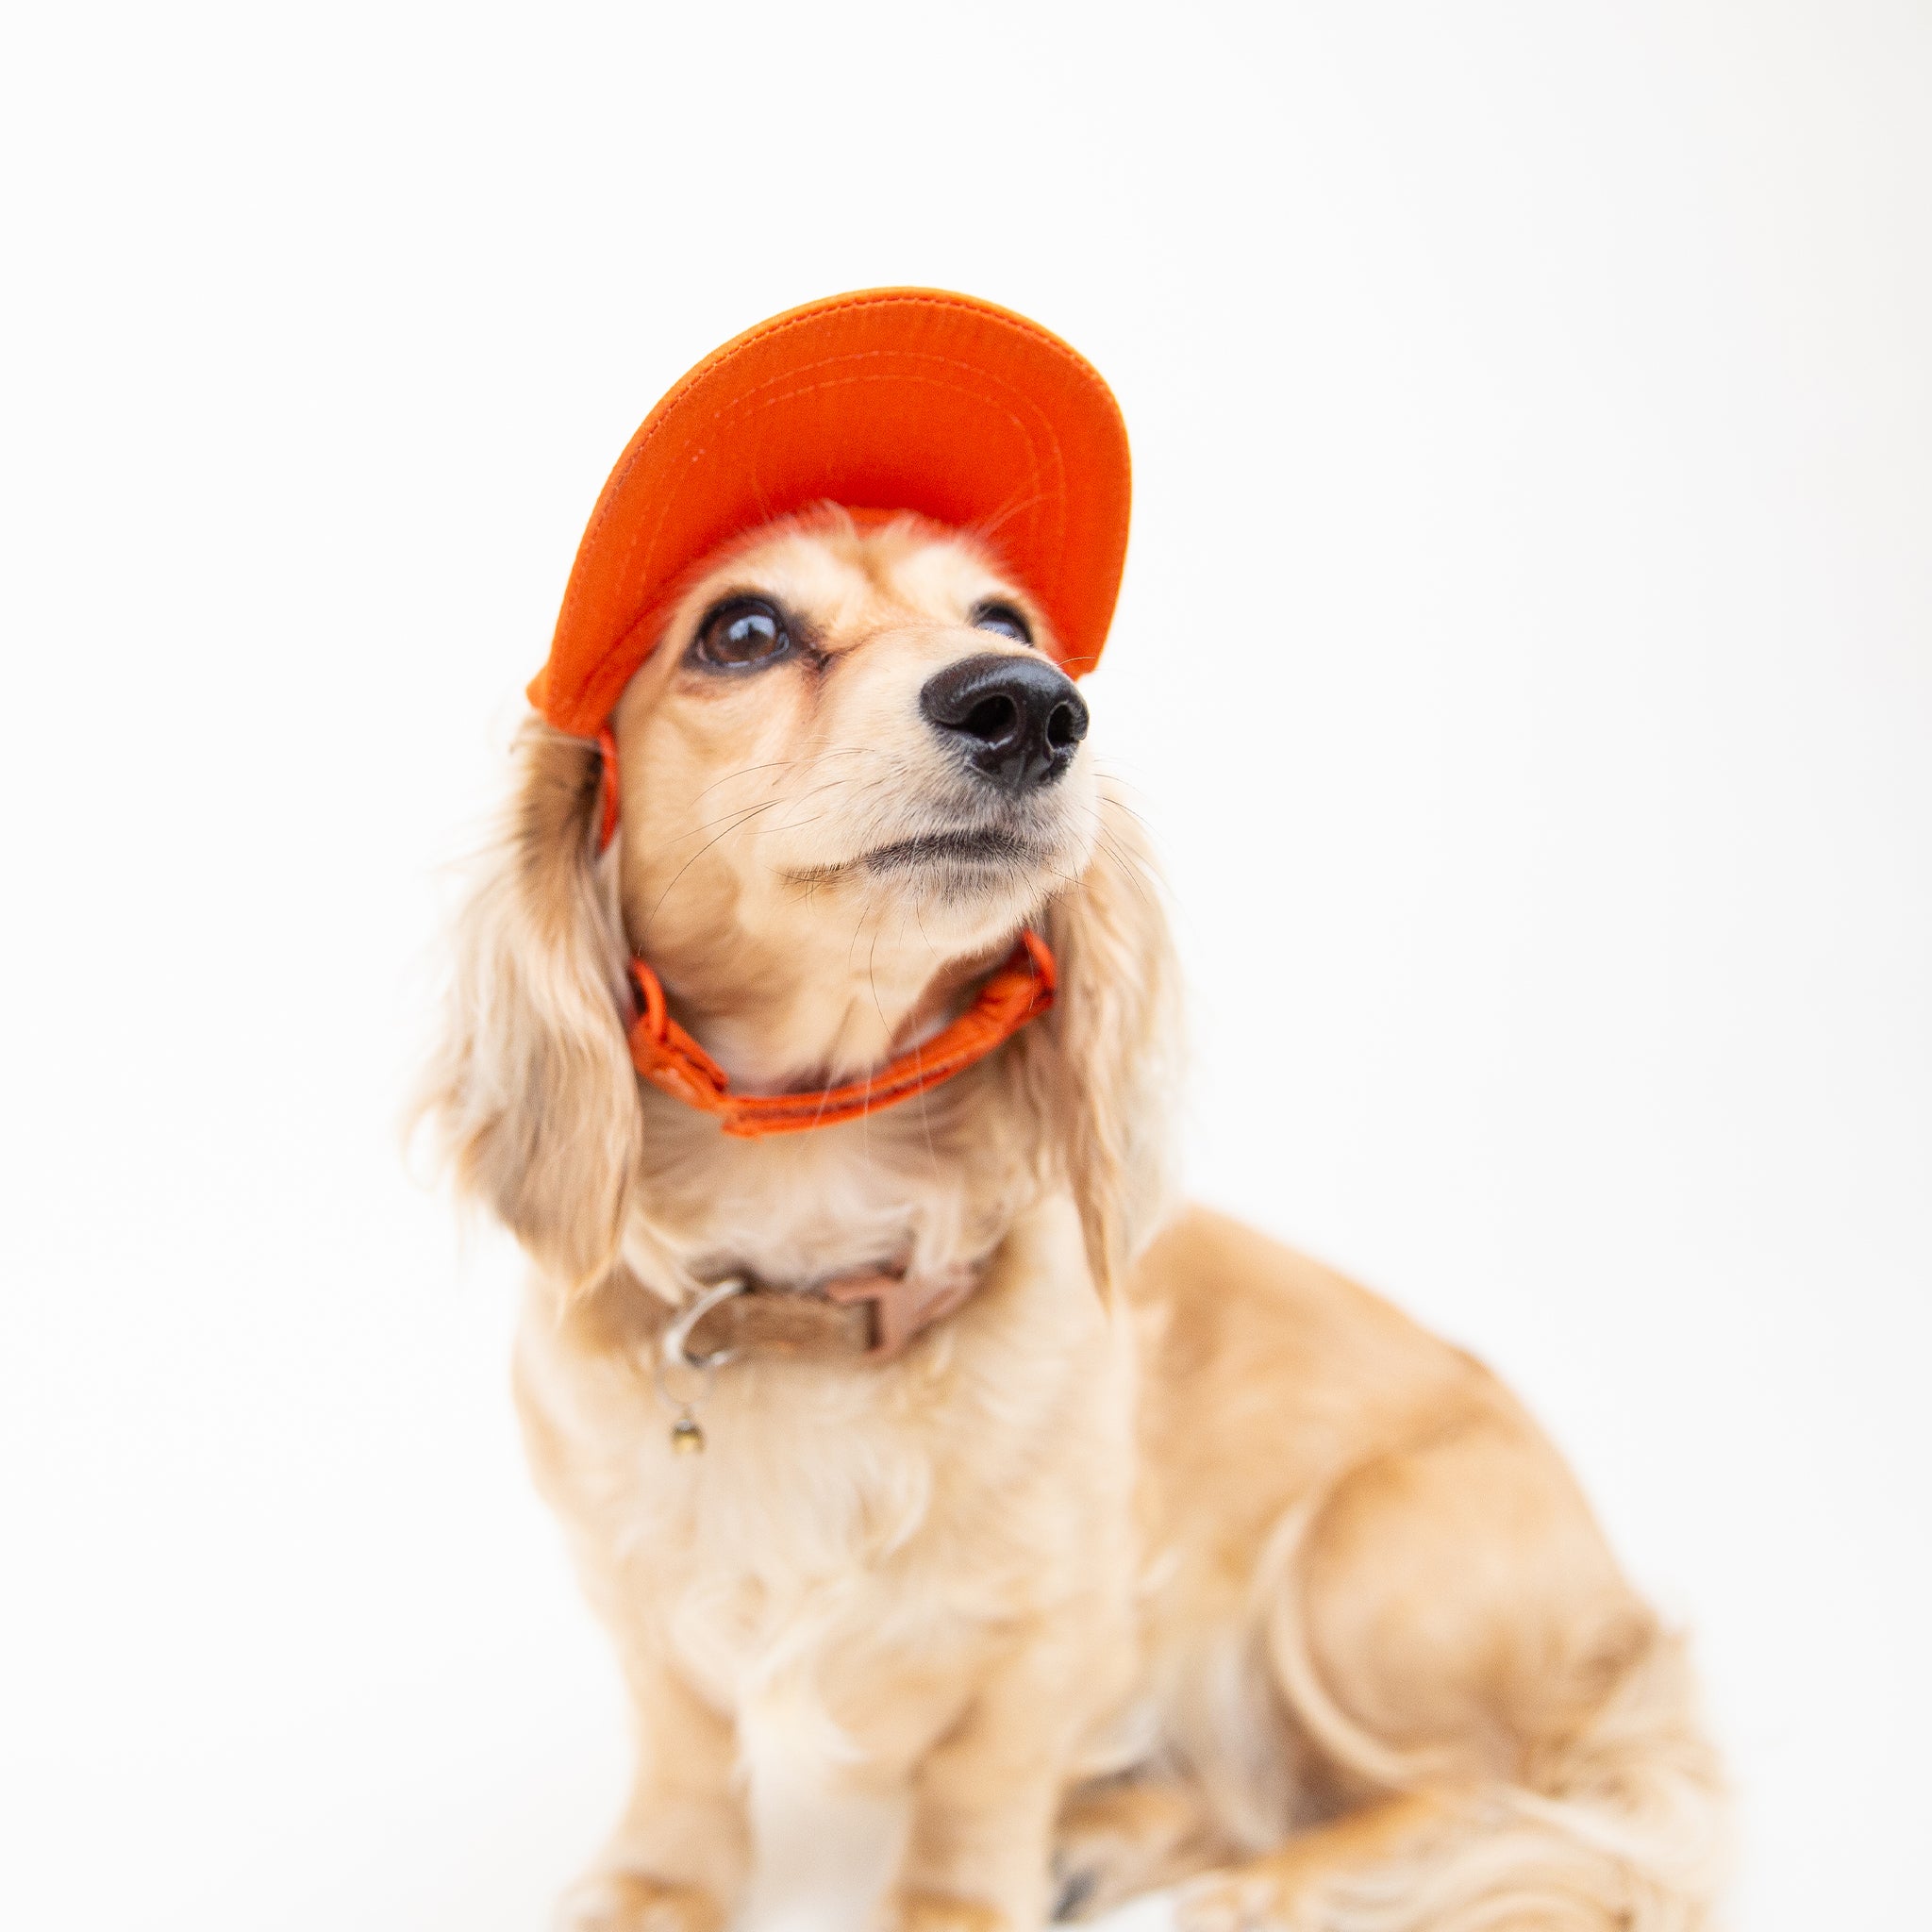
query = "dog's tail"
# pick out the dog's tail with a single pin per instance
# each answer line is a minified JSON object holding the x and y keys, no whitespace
{"x":1611,"y":1819}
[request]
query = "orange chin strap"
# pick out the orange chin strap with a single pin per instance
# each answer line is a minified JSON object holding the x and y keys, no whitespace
{"x":674,"y":1063}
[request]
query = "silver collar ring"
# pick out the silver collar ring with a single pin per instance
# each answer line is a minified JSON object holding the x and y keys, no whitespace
{"x":675,"y":1358}
{"x":677,"y":1335}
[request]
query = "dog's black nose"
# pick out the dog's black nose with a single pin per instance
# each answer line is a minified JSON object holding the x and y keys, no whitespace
{"x":1018,"y":720}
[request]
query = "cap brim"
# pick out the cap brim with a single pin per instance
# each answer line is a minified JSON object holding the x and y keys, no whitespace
{"x":887,"y":399}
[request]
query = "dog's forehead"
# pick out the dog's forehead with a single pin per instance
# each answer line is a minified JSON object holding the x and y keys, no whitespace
{"x":848,"y":579}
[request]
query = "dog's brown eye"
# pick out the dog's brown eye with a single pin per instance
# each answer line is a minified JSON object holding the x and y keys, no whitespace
{"x":741,"y":634}
{"x":1004,"y":619}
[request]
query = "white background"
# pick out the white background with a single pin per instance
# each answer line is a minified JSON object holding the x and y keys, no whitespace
{"x":1526,"y":662}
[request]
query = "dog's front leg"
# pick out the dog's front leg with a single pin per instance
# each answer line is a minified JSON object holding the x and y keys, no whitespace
{"x":677,"y":1860}
{"x":985,"y":1798}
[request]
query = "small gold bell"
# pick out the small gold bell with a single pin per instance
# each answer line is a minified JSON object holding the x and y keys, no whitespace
{"x":687,"y":1438}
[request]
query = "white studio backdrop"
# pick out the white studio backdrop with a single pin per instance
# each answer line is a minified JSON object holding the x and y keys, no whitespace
{"x":1525,"y":666}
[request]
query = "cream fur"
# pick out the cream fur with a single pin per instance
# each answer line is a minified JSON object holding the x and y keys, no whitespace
{"x":1190,"y":1560}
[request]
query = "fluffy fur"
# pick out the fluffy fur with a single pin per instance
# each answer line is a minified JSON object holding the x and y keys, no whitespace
{"x":1173,"y":1555}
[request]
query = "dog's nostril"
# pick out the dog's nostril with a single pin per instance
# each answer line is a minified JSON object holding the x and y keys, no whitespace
{"x":1065,"y":727}
{"x":991,"y":719}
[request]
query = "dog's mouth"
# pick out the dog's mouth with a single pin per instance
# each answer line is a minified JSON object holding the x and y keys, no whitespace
{"x":987,"y":852}
{"x":981,"y":848}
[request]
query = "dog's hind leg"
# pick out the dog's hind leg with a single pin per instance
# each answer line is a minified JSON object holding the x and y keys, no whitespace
{"x":1510,"y":1735}
{"x":1271,"y":1890}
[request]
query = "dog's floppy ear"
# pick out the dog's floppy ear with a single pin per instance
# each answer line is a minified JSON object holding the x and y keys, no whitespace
{"x":532,"y":1088}
{"x":1112,"y":1047}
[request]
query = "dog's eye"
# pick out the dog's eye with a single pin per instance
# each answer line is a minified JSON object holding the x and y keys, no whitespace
{"x":1004,"y":619}
{"x":741,"y":633}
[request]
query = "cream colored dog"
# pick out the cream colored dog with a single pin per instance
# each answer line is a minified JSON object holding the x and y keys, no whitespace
{"x":1165,"y":1553}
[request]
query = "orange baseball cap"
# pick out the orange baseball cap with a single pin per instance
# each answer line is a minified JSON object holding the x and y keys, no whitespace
{"x":885,"y":399}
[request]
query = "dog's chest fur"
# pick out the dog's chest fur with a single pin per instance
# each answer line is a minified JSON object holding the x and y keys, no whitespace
{"x":932,"y":1187}
{"x":850,"y":1525}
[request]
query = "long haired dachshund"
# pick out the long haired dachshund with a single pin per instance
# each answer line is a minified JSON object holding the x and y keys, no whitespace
{"x":982,"y":1540}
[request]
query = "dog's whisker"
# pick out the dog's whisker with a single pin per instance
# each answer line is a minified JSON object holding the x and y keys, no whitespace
{"x":737,"y":811}
{"x":836,"y":751}
{"x":751,"y":812}
{"x":872,"y":974}
{"x":698,"y":830}
{"x":745,"y":772}
{"x":863,"y":784}
{"x":1118,"y":804}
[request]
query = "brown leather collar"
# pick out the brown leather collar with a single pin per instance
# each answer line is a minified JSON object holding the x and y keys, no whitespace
{"x":870,"y":1317}
{"x":875,"y":1316}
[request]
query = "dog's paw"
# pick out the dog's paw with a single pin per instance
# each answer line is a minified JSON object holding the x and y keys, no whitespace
{"x":1280,"y":1893}
{"x":1232,"y":1902}
{"x":1093,"y":1871}
{"x":626,"y":1902}
{"x":1116,"y":1841}
{"x":933,"y":1911}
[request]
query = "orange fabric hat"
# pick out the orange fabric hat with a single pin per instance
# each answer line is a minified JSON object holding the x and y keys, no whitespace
{"x":887,"y":399}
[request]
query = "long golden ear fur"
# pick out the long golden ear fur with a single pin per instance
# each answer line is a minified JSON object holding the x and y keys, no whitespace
{"x":532,"y":1091}
{"x":1112,"y":1047}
